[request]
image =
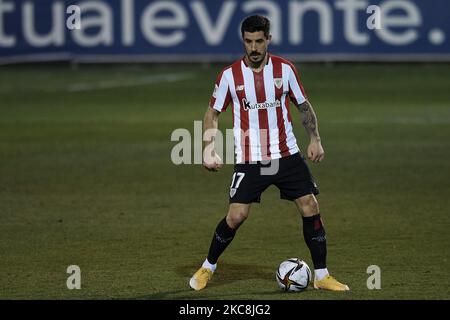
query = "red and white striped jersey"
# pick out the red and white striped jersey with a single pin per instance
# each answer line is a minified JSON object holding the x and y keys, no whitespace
{"x":262,"y":122}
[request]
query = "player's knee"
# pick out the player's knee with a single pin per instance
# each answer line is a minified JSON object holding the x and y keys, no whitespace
{"x":236,"y":216}
{"x":235,"y":219}
{"x":309,"y":205}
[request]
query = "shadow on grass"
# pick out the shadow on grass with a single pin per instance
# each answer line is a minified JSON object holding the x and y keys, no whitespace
{"x":228,"y":273}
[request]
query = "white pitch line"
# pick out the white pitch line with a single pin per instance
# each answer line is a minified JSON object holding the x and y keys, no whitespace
{"x":104,"y":84}
{"x":111,"y":84}
{"x":435,"y":119}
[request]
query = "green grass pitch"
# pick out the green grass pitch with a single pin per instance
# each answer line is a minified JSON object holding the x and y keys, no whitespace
{"x":86,"y":179}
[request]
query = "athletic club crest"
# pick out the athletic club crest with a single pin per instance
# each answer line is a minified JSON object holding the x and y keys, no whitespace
{"x":278,"y":82}
{"x":232,"y":192}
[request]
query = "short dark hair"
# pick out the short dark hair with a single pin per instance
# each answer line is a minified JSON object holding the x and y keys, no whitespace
{"x":256,"y":23}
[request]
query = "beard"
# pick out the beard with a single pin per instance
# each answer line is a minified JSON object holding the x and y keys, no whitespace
{"x":256,"y":58}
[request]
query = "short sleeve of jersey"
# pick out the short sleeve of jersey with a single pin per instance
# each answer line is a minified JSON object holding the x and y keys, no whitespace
{"x":296,"y":92}
{"x":221,"y":96}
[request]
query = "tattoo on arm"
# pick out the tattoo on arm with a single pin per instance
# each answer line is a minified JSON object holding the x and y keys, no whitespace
{"x":309,"y":119}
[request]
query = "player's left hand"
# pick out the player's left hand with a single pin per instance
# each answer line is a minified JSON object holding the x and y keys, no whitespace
{"x":212,"y":162}
{"x":315,"y":151}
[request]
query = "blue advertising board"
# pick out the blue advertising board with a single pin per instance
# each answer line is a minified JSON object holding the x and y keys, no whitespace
{"x":199,"y":30}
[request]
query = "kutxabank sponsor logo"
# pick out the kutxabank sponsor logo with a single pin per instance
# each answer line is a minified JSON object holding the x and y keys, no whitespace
{"x":259,"y":106}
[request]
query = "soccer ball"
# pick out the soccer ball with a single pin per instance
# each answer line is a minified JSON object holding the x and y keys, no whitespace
{"x":293,"y":275}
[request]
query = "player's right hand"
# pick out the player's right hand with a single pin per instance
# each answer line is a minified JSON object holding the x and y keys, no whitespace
{"x":212,"y":162}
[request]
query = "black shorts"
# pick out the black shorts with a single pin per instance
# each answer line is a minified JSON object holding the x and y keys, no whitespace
{"x":293,"y":178}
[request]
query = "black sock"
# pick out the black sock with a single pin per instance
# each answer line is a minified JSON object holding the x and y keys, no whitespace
{"x":315,"y":239}
{"x":221,"y":239}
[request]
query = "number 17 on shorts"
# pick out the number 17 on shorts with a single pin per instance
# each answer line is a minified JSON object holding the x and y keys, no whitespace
{"x":235,"y":182}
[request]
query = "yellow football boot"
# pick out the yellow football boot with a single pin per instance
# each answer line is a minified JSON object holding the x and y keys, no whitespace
{"x":200,"y":278}
{"x":330,"y":283}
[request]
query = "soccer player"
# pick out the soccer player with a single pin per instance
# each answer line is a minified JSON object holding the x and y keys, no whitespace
{"x":259,"y":87}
